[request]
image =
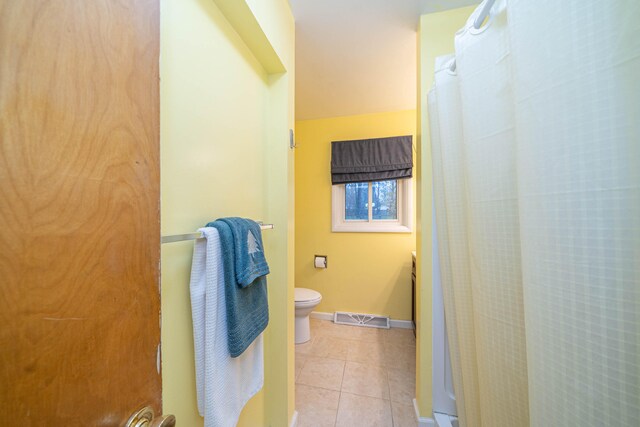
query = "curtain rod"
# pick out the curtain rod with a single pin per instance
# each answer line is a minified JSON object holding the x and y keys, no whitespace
{"x":198,"y":235}
{"x":477,"y":23}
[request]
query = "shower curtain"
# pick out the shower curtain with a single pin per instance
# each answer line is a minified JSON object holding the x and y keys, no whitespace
{"x":535,"y":141}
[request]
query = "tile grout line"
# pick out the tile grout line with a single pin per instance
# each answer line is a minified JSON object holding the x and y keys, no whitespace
{"x":344,"y":369}
{"x":335,"y":420}
{"x":393,"y":420}
{"x":321,"y":388}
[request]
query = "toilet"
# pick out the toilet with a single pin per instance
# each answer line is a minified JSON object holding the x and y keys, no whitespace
{"x":306,"y":301}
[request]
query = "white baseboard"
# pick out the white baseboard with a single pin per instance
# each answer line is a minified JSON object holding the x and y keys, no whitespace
{"x":320,"y":315}
{"x":402,"y":324}
{"x":294,"y":419}
{"x":422,"y":421}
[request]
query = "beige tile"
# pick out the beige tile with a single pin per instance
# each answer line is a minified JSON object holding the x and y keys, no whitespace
{"x":401,"y":337}
{"x":371,"y":334}
{"x":349,"y":332}
{"x":400,"y":357}
{"x":317,"y":325}
{"x":321,"y":372}
{"x":300,"y":359}
{"x":316,"y":407}
{"x":363,"y":411}
{"x":304,"y":348}
{"x":365,"y":380}
{"x":328,"y":346}
{"x":402,"y":385}
{"x":371,"y":353}
{"x":340,"y":331}
{"x":403,"y":415}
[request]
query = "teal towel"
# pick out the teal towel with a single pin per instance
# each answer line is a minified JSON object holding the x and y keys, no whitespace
{"x":247,"y":308}
{"x":249,"y":252}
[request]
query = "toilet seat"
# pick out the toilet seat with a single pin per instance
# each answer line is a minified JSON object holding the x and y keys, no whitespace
{"x":304,"y":296}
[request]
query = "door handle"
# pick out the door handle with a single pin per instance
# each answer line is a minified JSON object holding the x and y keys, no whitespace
{"x":145,"y":418}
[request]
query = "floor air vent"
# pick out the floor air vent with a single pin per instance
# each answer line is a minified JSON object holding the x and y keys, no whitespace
{"x":359,"y":319}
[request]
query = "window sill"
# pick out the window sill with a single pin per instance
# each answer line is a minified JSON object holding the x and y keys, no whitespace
{"x":370,"y":228}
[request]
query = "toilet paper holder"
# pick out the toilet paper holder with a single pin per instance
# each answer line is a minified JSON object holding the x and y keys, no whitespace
{"x":320,"y":261}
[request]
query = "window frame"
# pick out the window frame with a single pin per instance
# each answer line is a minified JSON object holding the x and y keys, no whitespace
{"x":403,"y":224}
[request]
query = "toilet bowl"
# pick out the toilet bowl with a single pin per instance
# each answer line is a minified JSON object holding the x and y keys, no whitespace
{"x":306,"y":301}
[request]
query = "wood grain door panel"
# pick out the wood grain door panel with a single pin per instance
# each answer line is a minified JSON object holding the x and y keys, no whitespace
{"x":79,"y":211}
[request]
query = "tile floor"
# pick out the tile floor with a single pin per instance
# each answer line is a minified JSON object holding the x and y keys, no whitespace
{"x":355,"y":376}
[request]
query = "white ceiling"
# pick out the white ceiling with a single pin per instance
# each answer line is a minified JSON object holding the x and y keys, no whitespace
{"x":358,"y":56}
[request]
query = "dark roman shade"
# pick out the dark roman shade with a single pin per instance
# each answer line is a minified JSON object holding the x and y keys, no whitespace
{"x":375,"y":159}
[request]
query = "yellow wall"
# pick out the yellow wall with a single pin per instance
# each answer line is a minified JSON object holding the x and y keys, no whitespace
{"x":435,"y":38}
{"x":224,"y":124}
{"x":367,"y":272}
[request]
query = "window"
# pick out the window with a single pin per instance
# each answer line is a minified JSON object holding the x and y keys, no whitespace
{"x":378,"y":206}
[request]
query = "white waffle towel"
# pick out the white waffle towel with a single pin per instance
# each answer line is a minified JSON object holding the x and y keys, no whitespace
{"x":224,"y":384}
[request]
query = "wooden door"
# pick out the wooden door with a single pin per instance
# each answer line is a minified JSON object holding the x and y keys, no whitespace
{"x":79,"y":217}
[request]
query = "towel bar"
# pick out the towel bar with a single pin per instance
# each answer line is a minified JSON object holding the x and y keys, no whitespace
{"x":197,"y":235}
